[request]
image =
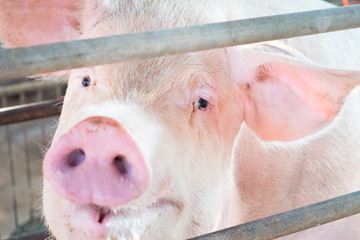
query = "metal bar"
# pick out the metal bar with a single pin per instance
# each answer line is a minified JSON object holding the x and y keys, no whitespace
{"x":30,"y":111}
{"x":2,"y":104}
{"x":28,"y":87}
{"x":11,"y":169}
{"x":27,"y":160}
{"x":66,"y":55}
{"x":12,"y":176}
{"x":58,"y":91}
{"x":293,"y":221}
{"x":28,"y":170}
{"x":40,"y":98}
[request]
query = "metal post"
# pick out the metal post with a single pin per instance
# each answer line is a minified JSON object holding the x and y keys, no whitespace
{"x":27,"y":160}
{"x":41,"y":121}
{"x":11,"y":169}
{"x":27,"y":61}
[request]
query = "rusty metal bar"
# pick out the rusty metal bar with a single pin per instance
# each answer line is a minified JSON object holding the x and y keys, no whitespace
{"x":66,"y":55}
{"x":293,"y":221}
{"x":20,"y":113}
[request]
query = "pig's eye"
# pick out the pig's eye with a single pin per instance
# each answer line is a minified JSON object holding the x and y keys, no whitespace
{"x":86,"y":81}
{"x":202,"y":104}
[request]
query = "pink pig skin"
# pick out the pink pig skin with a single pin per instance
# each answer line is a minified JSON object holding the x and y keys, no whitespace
{"x":178,"y":146}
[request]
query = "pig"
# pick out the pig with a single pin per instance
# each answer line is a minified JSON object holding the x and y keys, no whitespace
{"x":178,"y":146}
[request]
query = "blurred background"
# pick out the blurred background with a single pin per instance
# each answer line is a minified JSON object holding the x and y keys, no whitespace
{"x":22,"y":146}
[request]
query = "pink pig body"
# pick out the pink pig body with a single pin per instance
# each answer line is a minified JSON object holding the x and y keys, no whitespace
{"x":175,"y":147}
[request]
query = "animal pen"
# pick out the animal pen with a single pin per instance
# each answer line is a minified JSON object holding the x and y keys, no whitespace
{"x":25,"y":125}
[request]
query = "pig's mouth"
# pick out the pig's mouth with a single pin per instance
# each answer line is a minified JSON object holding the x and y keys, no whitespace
{"x":103,"y":212}
{"x":128,"y":221}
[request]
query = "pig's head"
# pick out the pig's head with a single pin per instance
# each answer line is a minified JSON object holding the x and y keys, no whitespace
{"x":143,"y":148}
{"x":133,"y":155}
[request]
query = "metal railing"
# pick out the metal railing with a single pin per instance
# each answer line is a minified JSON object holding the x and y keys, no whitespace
{"x":22,"y":141}
{"x":19,"y":62}
{"x":293,"y":221}
{"x":30,"y":111}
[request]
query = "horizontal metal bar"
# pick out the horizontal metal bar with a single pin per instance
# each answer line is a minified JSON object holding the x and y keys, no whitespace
{"x":28,"y":86}
{"x":30,"y":111}
{"x":66,"y":55}
{"x":293,"y":221}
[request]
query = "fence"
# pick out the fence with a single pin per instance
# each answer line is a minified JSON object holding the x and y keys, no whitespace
{"x":21,"y":152}
{"x":21,"y":62}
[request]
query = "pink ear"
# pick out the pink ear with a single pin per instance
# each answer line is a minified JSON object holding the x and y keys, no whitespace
{"x":32,"y":22}
{"x":286,"y":96}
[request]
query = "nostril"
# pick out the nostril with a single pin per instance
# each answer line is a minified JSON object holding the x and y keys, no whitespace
{"x":121,"y":164}
{"x":75,"y":158}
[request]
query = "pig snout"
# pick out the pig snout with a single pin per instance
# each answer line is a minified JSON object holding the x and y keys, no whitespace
{"x":97,"y":162}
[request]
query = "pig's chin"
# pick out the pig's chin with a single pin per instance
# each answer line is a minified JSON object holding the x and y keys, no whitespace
{"x":89,"y":221}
